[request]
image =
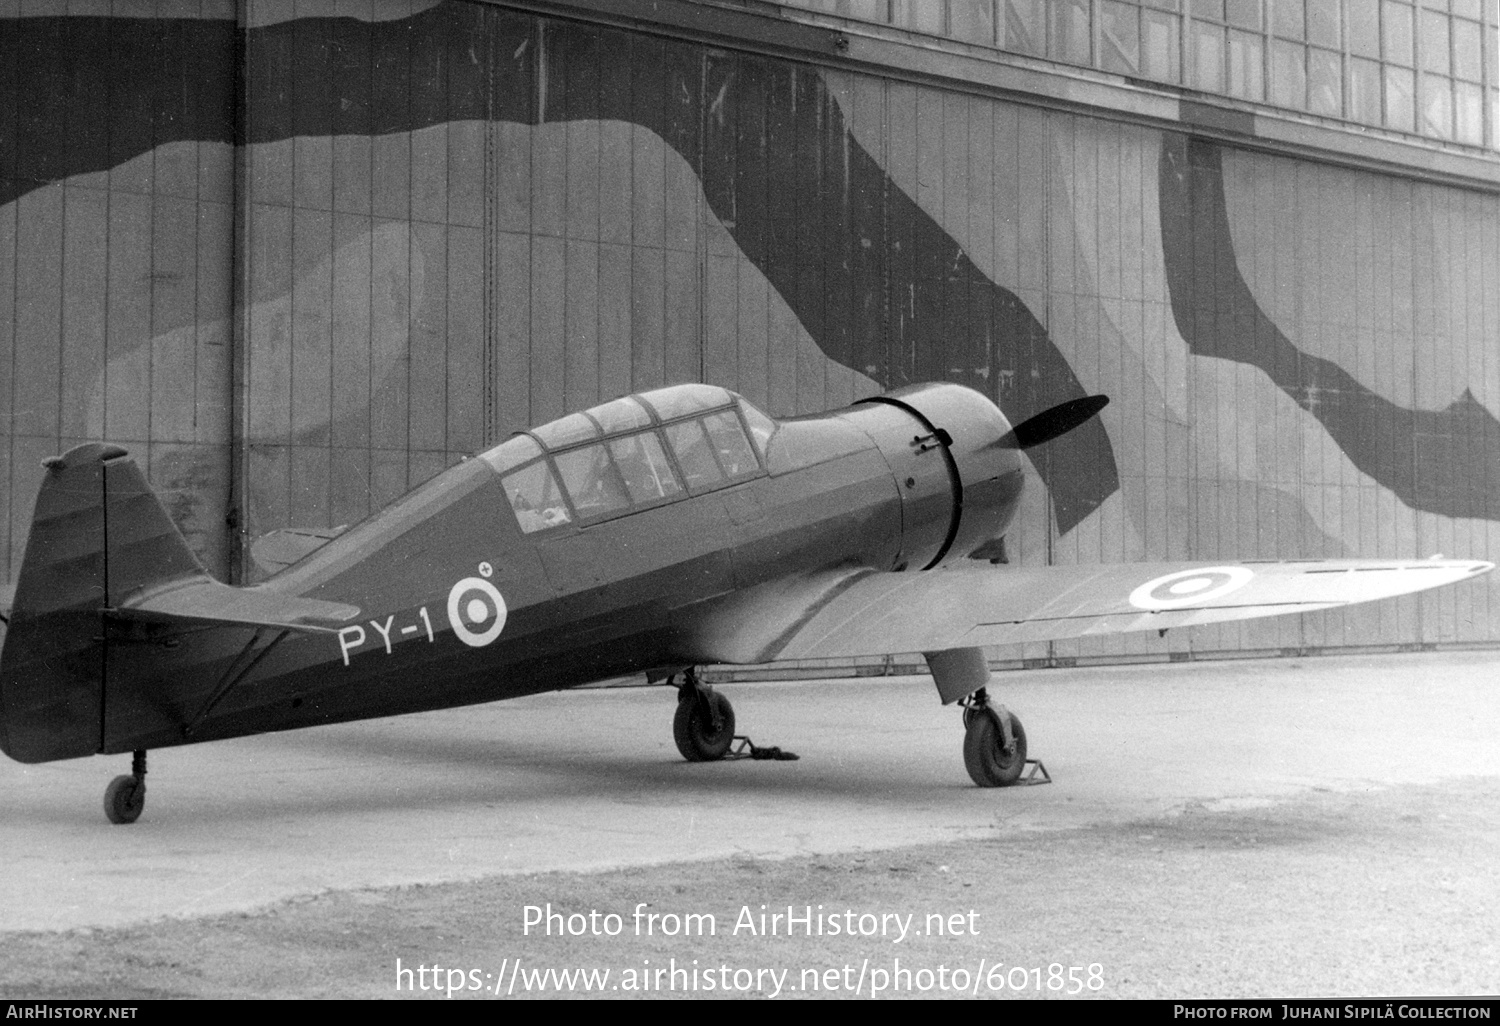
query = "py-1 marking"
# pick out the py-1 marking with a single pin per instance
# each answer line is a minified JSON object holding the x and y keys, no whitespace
{"x":354,"y":635}
{"x":476,"y":612}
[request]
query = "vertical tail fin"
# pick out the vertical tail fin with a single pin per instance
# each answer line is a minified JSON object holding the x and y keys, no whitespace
{"x":98,"y":533}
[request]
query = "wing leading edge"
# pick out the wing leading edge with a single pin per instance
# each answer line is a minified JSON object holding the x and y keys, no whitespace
{"x":868,"y":613}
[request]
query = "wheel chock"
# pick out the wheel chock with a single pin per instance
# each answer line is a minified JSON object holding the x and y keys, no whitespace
{"x":744,"y":748}
{"x":1031,"y":777}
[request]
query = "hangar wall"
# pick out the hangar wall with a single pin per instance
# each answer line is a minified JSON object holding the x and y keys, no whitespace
{"x":303,"y":257}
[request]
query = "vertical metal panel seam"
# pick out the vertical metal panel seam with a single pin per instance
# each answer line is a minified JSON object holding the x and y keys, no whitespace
{"x":1049,"y":156}
{"x":700,"y":223}
{"x":333,"y":286}
{"x":370,"y":314}
{"x":666,"y":263}
{"x":1186,"y":74}
{"x":730,"y":139}
{"x":1417,"y":92}
{"x":447,"y":237}
{"x":1096,"y":34}
{"x":599,"y":379}
{"x":1487,"y":73}
{"x":62,"y":305}
{"x":237,"y":359}
{"x":153,"y":206}
{"x":1265,"y":52}
{"x":1416,"y":320}
{"x":290,"y":461}
{"x":565,"y":128}
{"x":413,"y":247}
{"x":1048,"y":204}
{"x":109,"y":194}
{"x":489,"y":236}
{"x":1346,"y":64}
{"x":538,"y":116}
{"x":891,"y":358}
{"x":197,"y":209}
{"x":10,"y":398}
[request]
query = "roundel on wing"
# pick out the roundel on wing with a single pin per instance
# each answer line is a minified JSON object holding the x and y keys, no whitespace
{"x":476,"y":611}
{"x":1190,"y":587}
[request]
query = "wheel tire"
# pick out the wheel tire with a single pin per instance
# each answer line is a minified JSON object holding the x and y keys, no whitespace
{"x":124,"y":799}
{"x":984,"y":757}
{"x":694,"y":732}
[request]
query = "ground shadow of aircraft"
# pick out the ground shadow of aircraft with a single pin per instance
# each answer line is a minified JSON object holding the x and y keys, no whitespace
{"x":652,"y":534}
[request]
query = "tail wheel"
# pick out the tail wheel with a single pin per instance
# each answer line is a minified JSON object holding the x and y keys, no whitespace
{"x":704,"y":725}
{"x":985,"y":756}
{"x":124,"y":799}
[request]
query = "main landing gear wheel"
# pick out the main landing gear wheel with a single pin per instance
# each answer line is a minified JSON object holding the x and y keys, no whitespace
{"x":125,"y":796}
{"x":704,"y":724}
{"x":989,"y":762}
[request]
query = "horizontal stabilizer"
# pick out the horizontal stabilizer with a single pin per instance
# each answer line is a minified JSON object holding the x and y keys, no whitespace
{"x":207,"y":601}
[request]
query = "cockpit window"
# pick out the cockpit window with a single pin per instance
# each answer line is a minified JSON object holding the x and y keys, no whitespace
{"x":512,"y":452}
{"x":631,"y":453}
{"x":730,"y":444}
{"x":712,"y":449}
{"x":681,"y":400}
{"x":535,"y":496}
{"x":577,"y":427}
{"x":621,"y":415}
{"x":761,"y":426}
{"x":592,"y":481}
{"x":644,"y":467}
{"x":694,"y":455}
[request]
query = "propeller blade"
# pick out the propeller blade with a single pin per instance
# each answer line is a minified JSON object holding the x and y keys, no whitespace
{"x":1050,"y":424}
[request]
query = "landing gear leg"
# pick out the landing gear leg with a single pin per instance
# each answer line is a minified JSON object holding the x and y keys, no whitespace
{"x":704,"y":725}
{"x":994,"y":742}
{"x":125,"y":797}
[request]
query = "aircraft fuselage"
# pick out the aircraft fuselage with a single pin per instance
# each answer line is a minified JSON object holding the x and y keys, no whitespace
{"x":471,"y":589}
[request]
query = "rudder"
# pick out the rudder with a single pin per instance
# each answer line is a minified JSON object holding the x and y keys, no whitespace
{"x":98,"y":533}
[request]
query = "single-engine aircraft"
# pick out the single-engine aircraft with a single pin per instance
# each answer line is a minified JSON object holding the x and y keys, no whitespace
{"x":652,"y":534}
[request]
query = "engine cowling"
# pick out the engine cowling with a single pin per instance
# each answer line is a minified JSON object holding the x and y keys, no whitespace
{"x":959,"y":484}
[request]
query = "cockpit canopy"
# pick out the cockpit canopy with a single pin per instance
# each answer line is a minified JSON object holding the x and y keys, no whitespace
{"x":631,"y":454}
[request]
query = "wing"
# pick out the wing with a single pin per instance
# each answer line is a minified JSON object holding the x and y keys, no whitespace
{"x":861,"y":613}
